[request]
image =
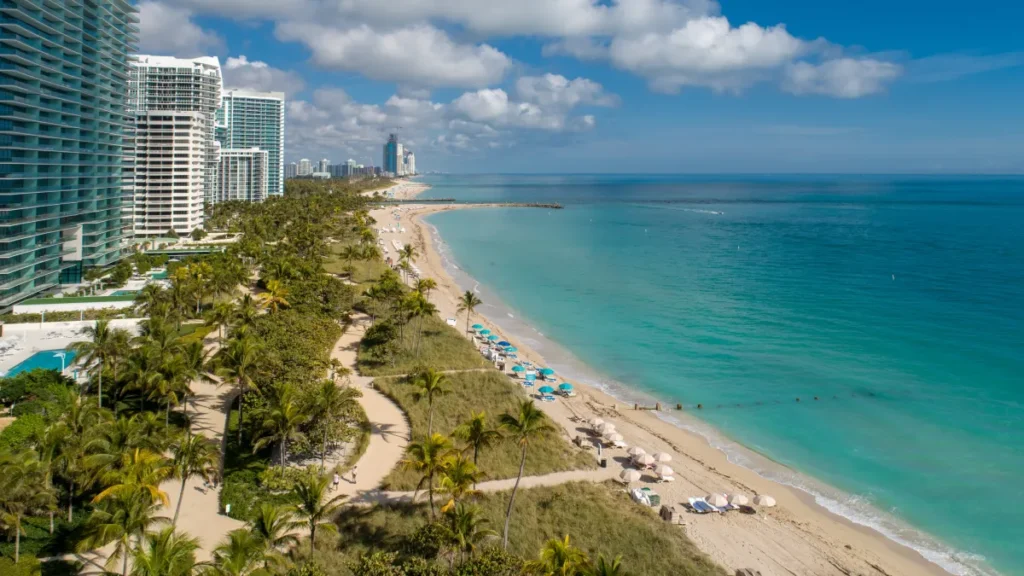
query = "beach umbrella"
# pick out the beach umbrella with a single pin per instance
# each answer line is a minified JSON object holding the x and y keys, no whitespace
{"x":636,"y":451}
{"x":629,"y":475}
{"x":492,"y":338}
{"x":504,"y":343}
{"x":613,"y":437}
{"x":605,"y":428}
{"x":595,"y":422}
{"x":531,"y":377}
{"x":547,"y":371}
{"x":546,"y":390}
{"x":644,"y":459}
{"x":485,"y":332}
{"x":738,"y":500}
{"x":478,"y":326}
{"x":663,"y":470}
{"x":764,"y":500}
{"x":663,"y":457}
{"x":565,"y":387}
{"x":511,"y":349}
{"x":716,"y":500}
{"x":518,"y":368}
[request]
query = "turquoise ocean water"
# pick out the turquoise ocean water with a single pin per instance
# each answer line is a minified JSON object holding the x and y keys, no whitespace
{"x":898,"y":302}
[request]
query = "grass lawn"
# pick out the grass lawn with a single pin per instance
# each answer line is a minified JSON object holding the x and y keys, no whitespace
{"x":493,"y":393}
{"x":364,"y":272}
{"x":599,"y":519}
{"x":441,"y":347}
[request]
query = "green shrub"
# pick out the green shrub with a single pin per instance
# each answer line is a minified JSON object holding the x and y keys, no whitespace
{"x":27,"y":566}
{"x":20,"y":433}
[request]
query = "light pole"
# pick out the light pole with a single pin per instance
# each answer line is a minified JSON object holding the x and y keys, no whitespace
{"x":101,"y":384}
{"x":62,"y":356}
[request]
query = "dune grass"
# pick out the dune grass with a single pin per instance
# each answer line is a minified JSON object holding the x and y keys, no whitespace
{"x":599,"y":519}
{"x":493,"y":393}
{"x":441,"y":347}
{"x":364,"y":272}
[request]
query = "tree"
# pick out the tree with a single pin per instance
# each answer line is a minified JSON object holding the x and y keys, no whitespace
{"x":430,"y":384}
{"x":165,"y":553}
{"x":328,"y":404}
{"x":524,"y":426}
{"x":467,"y":524}
{"x":220,"y":316}
{"x":468,"y":303}
{"x":350,"y":253}
{"x":23,"y":490}
{"x":193,"y":455}
{"x":139,"y":470}
{"x":605,"y":567}
{"x":121,"y":519}
{"x":280,"y":422}
{"x":458,"y":478}
{"x":275,"y":297}
{"x":558,"y":558}
{"x":198,"y":234}
{"x":240,"y":555}
{"x":106,"y":347}
{"x":273,"y":526}
{"x":196,"y":364}
{"x":408,"y":253}
{"x":475,"y":433}
{"x":237,"y":364}
{"x":425,"y":286}
{"x":312,"y":504}
{"x":429,"y":457}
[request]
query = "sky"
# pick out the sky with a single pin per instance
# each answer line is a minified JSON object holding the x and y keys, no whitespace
{"x":627,"y":86}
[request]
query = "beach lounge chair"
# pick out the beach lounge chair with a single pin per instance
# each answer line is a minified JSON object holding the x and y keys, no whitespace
{"x":667,"y":478}
{"x":547,"y":398}
{"x":701,"y":507}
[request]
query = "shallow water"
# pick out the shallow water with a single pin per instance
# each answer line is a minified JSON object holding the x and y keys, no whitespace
{"x":898,"y":304}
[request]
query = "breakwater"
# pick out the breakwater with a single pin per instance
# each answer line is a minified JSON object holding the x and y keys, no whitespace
{"x":548,"y":205}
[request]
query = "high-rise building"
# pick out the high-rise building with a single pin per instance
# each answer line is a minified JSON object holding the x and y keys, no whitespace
{"x":251,"y":119}
{"x":305,"y":168}
{"x":63,"y":81}
{"x":243,"y":175}
{"x":350,"y":167}
{"x":323,"y":165}
{"x":291,"y":170}
{"x":162,"y":179}
{"x":392,"y":155}
{"x":170,"y":150}
{"x":410,"y":163}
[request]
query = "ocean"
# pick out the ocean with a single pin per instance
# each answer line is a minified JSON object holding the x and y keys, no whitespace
{"x":892,"y":307}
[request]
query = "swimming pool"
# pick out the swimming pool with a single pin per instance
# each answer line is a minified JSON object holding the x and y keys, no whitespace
{"x":159,"y":276}
{"x":125,"y":293}
{"x":44,"y":359}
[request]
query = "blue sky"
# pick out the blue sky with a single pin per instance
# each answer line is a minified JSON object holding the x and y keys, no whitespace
{"x":626,"y":85}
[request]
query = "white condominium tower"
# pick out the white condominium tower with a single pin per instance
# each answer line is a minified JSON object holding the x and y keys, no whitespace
{"x":243,"y":175}
{"x":250,"y":120}
{"x":173,"y":170}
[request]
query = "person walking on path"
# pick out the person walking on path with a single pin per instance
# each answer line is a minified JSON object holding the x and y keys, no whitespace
{"x":337,"y":480}
{"x":354,"y":468}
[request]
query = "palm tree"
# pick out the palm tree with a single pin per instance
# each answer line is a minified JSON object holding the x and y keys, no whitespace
{"x":605,"y":567}
{"x":468,"y":303}
{"x":327,"y":404}
{"x":350,"y":253}
{"x":430,"y":384}
{"x":475,"y":433}
{"x":149,"y":297}
{"x":281,"y":421}
{"x":407,"y":253}
{"x":220,"y":316}
{"x":273,"y":525}
{"x":428,"y":457}
{"x":165,"y":553}
{"x":247,"y":311}
{"x":237,"y":364}
{"x":523,"y":427}
{"x":458,"y":478}
{"x":275,"y":297}
{"x":23,"y":491}
{"x":139,"y":470}
{"x":105,"y":348}
{"x":420,"y":307}
{"x":49,"y":446}
{"x":467,"y":524}
{"x":312,"y":505}
{"x":142,"y":373}
{"x":193,"y":456}
{"x":240,"y":555}
{"x":425,"y":285}
{"x":197,"y":364}
{"x":125,"y":517}
{"x":558,"y":558}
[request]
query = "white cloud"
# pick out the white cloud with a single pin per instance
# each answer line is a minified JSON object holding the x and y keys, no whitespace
{"x":419,"y":55}
{"x":706,"y":52}
{"x":555,"y":90}
{"x":169,"y":30}
{"x":842,"y":77}
{"x":241,"y":72}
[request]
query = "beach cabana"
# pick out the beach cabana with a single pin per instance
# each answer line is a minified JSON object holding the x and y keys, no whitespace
{"x":545,"y":389}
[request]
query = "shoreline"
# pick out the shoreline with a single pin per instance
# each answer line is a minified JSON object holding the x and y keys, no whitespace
{"x":809,"y":538}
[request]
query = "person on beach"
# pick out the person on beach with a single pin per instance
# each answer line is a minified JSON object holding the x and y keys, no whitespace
{"x":354,"y":468}
{"x":337,"y":480}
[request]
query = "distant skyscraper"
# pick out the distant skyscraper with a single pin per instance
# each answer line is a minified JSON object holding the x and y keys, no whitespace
{"x":350,"y":167}
{"x":291,"y":170}
{"x":410,"y":162}
{"x":63,"y":84}
{"x":251,"y":119}
{"x":392,"y":155}
{"x":305,"y":168}
{"x":323,"y":165}
{"x":243,"y":175}
{"x":170,"y":99}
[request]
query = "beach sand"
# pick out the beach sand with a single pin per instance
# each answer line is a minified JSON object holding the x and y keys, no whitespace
{"x":796,"y":537}
{"x":404,"y":190}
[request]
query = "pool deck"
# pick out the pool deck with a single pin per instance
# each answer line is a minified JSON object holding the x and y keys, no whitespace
{"x":36,"y":337}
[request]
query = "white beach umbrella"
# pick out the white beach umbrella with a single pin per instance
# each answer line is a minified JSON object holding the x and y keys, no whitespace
{"x":738,"y":500}
{"x":613,"y":437}
{"x":636,"y":451}
{"x":644,"y":459}
{"x":716,"y":500}
{"x":595,"y":422}
{"x":629,"y":475}
{"x":663,"y":457}
{"x":606,"y":428}
{"x":764,"y":500}
{"x":663,"y":470}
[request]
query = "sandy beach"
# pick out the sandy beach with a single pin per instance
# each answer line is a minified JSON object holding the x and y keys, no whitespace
{"x":404,"y":190}
{"x":796,"y":537}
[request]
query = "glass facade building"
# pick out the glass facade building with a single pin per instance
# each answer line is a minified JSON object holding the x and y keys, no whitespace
{"x":249,"y":119}
{"x":63,"y":83}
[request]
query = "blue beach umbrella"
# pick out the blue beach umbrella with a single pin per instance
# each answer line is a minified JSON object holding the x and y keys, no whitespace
{"x":478,"y":326}
{"x":565,"y":386}
{"x":485,"y":332}
{"x":492,"y":338}
{"x":504,"y":343}
{"x":518,"y":368}
{"x":531,"y":377}
{"x":547,"y":371}
{"x":545,"y":389}
{"x":511,"y":349}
